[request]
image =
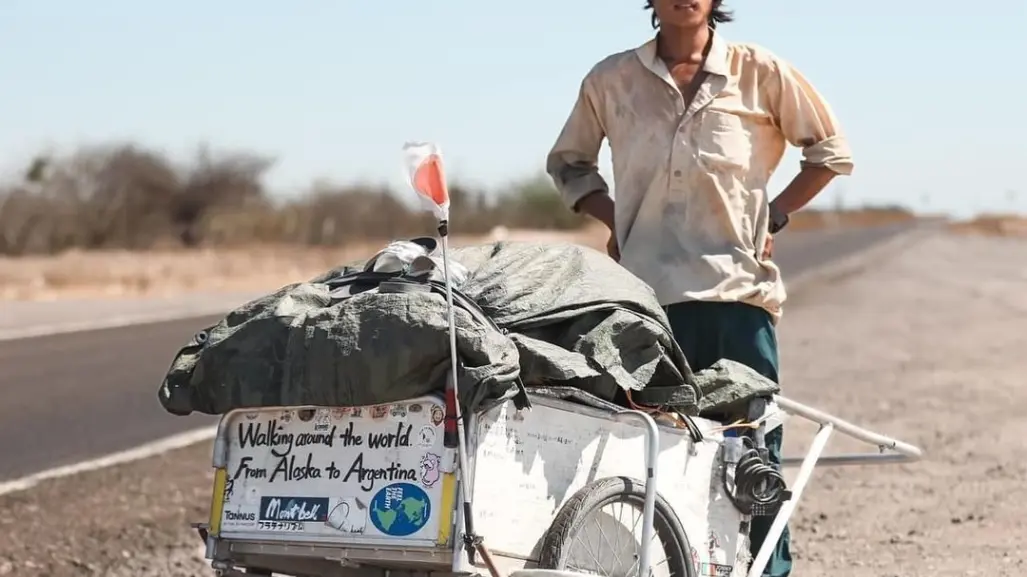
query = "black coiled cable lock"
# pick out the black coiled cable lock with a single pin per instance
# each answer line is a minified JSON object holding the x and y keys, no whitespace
{"x":759,"y":488}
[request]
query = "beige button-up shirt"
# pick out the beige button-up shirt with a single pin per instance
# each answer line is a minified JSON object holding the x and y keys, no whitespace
{"x":692,"y":206}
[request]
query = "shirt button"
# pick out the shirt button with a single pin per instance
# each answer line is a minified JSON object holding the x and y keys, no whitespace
{"x":677,"y":173}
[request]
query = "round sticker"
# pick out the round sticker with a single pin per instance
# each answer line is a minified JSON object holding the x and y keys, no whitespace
{"x":426,"y":437}
{"x":400,"y":509}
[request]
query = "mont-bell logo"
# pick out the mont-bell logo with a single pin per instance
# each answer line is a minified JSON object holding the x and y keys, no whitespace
{"x":234,"y":516}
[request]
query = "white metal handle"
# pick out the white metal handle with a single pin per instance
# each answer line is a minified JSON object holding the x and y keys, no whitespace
{"x":652,"y":452}
{"x":901,"y":452}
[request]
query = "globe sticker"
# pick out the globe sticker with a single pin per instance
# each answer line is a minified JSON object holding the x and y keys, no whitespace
{"x":400,"y":509}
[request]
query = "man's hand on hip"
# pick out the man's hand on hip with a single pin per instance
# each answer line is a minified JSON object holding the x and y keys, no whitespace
{"x":599,"y":206}
{"x":612,"y":248}
{"x":768,"y":247}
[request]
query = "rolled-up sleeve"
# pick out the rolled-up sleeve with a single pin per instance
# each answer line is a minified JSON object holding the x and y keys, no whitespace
{"x":807,"y":121}
{"x":573,"y":161}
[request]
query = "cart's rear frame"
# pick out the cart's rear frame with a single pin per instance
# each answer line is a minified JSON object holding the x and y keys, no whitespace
{"x":608,"y":448}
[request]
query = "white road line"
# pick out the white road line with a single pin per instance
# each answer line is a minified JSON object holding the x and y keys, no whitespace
{"x":147,"y":450}
{"x":114,"y":322}
{"x":182,"y":440}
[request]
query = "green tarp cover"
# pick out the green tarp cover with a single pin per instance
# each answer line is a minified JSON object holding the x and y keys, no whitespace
{"x":527,"y":314}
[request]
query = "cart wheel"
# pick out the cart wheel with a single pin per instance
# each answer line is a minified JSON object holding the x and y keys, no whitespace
{"x":598,"y":530}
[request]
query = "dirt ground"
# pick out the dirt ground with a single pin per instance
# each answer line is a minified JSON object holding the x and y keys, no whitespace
{"x":120,"y":274}
{"x":1007,"y":225}
{"x":929,"y":348}
{"x":927,"y":345}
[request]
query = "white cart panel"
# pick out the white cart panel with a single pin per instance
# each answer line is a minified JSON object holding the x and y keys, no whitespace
{"x":528,"y":463}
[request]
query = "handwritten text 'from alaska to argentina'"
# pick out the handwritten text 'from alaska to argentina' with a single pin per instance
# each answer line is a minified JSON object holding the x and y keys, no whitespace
{"x":293,"y":467}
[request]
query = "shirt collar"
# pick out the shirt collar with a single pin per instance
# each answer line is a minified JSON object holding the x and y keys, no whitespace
{"x":716,"y":60}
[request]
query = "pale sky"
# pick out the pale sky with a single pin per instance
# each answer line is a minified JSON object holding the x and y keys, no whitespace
{"x":930,"y":93}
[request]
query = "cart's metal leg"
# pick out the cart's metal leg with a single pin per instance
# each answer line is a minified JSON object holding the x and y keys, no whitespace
{"x":785,"y":512}
{"x":652,"y":452}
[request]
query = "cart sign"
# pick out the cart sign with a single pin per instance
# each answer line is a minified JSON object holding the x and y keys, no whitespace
{"x":367,"y":474}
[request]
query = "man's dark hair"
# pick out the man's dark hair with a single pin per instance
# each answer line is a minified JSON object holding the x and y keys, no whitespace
{"x":717,"y":15}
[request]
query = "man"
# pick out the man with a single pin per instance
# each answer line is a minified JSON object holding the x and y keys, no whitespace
{"x":696,"y":127}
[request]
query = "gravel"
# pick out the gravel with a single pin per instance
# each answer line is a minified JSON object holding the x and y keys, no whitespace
{"x":928,"y":345}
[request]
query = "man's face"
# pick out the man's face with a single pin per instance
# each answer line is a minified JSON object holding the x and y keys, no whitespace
{"x":683,"y":13}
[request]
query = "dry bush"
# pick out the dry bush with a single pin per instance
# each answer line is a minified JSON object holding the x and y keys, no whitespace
{"x":124,"y":196}
{"x":121,"y":219}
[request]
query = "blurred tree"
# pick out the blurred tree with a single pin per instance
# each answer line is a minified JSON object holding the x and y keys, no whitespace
{"x":123,"y":195}
{"x":535,"y":203}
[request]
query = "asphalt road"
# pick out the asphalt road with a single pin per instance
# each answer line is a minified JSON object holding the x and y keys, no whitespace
{"x":71,"y":397}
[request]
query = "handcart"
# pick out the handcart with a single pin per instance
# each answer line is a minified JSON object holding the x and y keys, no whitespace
{"x":575,"y":483}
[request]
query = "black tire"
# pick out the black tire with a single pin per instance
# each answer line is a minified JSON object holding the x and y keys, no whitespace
{"x":598,"y":494}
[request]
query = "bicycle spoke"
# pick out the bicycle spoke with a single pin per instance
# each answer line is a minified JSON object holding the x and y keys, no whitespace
{"x":613,"y":520}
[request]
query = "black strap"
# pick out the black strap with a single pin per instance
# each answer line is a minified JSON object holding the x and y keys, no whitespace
{"x":521,"y":400}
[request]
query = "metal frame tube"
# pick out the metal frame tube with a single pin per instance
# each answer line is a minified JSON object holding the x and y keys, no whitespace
{"x":901,"y":452}
{"x":849,"y":460}
{"x":788,"y":507}
{"x":652,"y":453}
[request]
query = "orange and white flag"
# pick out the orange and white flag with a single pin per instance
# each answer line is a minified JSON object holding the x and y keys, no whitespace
{"x":427,"y":176}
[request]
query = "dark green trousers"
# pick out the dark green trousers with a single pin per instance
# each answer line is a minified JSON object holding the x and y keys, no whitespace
{"x":710,"y":331}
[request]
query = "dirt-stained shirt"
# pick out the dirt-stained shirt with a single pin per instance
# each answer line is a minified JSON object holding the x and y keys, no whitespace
{"x":692,"y":206}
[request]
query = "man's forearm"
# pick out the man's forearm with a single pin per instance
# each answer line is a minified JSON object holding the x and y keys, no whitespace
{"x":599,"y":206}
{"x":806,"y":185}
